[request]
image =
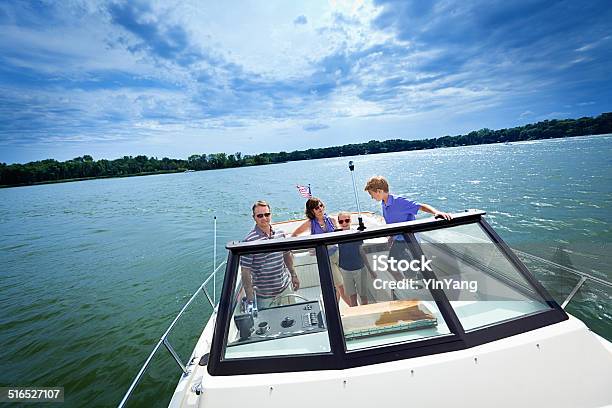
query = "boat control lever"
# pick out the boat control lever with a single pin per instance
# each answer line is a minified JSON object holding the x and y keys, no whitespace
{"x":246,"y":321}
{"x":245,"y":324}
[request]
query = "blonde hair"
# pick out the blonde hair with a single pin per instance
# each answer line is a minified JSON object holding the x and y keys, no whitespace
{"x":341,"y":213}
{"x":377,"y":183}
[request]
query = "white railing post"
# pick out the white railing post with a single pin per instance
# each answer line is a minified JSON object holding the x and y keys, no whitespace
{"x":215,"y":261}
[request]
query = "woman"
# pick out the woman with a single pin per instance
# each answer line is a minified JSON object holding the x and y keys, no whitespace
{"x":318,"y":223}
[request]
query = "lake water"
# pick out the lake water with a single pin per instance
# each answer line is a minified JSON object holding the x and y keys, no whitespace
{"x":93,"y":272}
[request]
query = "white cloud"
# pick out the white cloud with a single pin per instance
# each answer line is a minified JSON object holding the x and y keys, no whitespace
{"x":167,"y":71}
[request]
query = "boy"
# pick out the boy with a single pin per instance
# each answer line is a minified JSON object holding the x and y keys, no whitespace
{"x":398,"y":209}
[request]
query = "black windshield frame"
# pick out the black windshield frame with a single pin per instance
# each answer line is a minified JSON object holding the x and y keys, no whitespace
{"x":339,"y":357}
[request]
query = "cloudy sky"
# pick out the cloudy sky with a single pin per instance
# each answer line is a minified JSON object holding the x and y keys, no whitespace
{"x":173,"y":78}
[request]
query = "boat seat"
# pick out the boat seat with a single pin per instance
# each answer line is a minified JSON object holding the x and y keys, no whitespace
{"x":307,"y":270}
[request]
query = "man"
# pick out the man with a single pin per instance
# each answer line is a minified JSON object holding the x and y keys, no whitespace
{"x":398,"y":209}
{"x":270,"y":274}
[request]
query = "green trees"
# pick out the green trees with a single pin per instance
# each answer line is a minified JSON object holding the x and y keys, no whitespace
{"x":86,"y":167}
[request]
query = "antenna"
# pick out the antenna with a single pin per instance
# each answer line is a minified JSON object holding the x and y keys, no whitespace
{"x":361,"y":227}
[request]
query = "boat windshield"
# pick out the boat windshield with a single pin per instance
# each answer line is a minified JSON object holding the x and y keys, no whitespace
{"x":400,"y":286}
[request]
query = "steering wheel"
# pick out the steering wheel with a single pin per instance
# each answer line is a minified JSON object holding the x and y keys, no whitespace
{"x":288,"y":295}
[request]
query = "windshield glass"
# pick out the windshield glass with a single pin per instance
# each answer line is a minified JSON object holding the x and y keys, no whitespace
{"x":483,"y":286}
{"x":380,"y":291}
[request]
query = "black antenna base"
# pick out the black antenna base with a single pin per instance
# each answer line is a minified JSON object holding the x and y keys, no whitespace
{"x":361,"y":226}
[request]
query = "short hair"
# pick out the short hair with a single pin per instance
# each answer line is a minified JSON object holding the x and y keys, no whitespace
{"x":377,"y":183}
{"x":311,"y":204}
{"x":345,"y":213}
{"x":260,"y":203}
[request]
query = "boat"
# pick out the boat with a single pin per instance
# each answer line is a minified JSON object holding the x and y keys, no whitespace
{"x":477,"y":329}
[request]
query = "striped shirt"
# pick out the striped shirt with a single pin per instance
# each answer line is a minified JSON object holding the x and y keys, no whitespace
{"x":268,"y":270}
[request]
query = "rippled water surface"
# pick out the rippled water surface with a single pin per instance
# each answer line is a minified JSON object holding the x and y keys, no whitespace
{"x":91,"y":273}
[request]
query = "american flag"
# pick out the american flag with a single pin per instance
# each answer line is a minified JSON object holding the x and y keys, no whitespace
{"x":304,"y":191}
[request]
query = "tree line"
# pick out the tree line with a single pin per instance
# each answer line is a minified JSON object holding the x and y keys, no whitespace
{"x":79,"y":168}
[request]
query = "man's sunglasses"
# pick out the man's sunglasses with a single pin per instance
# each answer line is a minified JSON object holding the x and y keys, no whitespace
{"x":343,"y":221}
{"x":267,"y":215}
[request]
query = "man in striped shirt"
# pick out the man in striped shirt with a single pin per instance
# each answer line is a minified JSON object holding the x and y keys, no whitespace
{"x":269,"y":274}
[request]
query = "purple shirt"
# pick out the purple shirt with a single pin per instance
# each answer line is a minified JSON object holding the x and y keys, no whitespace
{"x":399,"y":209}
{"x":315,"y":228}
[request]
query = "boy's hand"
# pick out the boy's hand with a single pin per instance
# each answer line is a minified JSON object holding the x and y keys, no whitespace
{"x":443,"y":215}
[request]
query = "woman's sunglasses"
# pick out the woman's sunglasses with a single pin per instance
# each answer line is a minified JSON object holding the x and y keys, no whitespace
{"x":267,"y":215}
{"x":343,"y":221}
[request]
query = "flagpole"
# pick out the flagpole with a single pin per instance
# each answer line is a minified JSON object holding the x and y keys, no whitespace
{"x":361,"y":227}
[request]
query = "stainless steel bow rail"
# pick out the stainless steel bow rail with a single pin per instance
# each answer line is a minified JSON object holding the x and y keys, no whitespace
{"x":583,"y":276}
{"x":164,"y":339}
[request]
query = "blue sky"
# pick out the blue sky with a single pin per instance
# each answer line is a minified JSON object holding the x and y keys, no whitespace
{"x":174,"y":78}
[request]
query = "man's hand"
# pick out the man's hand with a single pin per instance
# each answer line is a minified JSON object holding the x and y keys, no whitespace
{"x":253,"y":292}
{"x":295,"y":282}
{"x":247,"y":283}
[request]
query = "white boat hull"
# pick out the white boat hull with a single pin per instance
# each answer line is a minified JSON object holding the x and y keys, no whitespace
{"x":542,"y":368}
{"x":561,"y":365}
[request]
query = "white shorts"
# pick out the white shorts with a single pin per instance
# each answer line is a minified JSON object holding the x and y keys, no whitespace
{"x":355,"y":282}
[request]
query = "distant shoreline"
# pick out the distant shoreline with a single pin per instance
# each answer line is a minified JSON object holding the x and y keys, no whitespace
{"x":85,"y":168}
{"x":38,"y":183}
{"x":267,"y":164}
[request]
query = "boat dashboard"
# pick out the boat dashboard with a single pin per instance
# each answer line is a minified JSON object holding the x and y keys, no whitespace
{"x":278,"y":322}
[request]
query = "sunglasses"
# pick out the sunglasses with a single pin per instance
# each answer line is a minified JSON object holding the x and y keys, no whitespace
{"x":267,"y":215}
{"x":321,"y":205}
{"x":343,"y":221}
